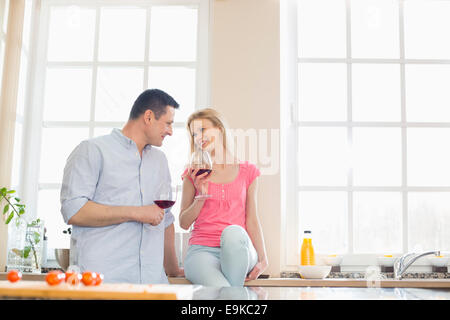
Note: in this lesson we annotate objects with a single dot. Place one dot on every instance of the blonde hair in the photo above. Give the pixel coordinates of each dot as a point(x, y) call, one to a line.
point(216, 119)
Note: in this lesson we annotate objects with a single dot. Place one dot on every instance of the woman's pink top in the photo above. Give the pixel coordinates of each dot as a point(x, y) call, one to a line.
point(224, 208)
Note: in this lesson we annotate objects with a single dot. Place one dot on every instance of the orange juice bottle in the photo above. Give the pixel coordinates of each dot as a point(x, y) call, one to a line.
point(307, 252)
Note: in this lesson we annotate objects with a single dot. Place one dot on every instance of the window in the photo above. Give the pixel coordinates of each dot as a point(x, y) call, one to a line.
point(370, 119)
point(4, 7)
point(93, 59)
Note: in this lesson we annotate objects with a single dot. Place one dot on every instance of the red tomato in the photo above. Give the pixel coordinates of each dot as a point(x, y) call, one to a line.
point(55, 277)
point(89, 278)
point(14, 275)
point(98, 278)
point(73, 277)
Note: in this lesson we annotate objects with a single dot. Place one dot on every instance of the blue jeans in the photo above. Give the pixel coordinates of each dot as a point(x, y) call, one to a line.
point(223, 266)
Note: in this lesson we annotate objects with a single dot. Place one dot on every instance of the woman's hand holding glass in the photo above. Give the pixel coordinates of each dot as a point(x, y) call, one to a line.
point(200, 183)
point(199, 169)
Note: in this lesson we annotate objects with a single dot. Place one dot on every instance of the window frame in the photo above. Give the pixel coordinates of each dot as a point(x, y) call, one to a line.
point(290, 125)
point(33, 118)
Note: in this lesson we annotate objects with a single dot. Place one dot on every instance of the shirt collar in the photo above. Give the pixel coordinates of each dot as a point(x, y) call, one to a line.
point(124, 140)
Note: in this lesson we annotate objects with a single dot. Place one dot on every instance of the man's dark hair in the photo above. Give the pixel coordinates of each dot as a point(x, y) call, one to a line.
point(153, 99)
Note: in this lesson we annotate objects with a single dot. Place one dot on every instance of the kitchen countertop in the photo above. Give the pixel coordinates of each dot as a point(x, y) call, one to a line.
point(355, 281)
point(347, 286)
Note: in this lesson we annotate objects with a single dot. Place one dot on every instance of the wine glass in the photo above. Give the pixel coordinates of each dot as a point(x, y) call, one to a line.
point(202, 161)
point(164, 198)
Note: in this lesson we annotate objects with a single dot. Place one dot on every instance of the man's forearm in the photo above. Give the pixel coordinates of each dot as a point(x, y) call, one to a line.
point(93, 214)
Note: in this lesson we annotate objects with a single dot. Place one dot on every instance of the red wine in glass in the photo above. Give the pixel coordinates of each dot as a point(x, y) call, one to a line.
point(164, 198)
point(202, 171)
point(164, 204)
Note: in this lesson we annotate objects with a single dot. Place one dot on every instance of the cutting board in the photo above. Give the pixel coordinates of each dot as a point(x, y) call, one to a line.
point(121, 291)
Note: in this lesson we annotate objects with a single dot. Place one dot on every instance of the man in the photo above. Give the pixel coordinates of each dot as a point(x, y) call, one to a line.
point(107, 194)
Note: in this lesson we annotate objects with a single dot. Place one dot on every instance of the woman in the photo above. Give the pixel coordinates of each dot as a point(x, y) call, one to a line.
point(226, 247)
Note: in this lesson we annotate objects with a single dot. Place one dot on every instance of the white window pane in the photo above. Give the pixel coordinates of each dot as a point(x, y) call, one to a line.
point(427, 93)
point(376, 92)
point(322, 91)
point(5, 16)
point(428, 157)
point(427, 29)
point(321, 28)
point(71, 34)
point(377, 222)
point(325, 214)
point(173, 33)
point(27, 24)
point(375, 29)
point(429, 221)
point(21, 93)
point(117, 89)
point(179, 82)
point(17, 155)
point(376, 157)
point(67, 94)
point(323, 156)
point(57, 144)
point(177, 148)
point(122, 34)
point(49, 210)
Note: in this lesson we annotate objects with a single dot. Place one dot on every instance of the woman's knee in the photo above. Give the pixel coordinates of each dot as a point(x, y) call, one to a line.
point(207, 273)
point(234, 235)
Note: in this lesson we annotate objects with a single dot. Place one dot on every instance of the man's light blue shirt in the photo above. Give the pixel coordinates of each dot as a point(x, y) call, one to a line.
point(109, 170)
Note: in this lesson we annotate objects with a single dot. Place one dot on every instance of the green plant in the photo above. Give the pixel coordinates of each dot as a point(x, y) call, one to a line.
point(10, 208)
point(13, 207)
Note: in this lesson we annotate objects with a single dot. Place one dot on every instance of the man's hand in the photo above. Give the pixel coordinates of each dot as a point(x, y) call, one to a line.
point(151, 214)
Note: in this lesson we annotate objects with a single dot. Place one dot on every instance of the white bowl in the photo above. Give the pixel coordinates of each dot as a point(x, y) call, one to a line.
point(439, 261)
point(386, 261)
point(333, 260)
point(314, 272)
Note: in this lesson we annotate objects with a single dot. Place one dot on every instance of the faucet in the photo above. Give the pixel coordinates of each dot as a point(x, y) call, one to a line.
point(400, 265)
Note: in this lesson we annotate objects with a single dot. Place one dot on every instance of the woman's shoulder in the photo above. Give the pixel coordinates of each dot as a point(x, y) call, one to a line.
point(249, 168)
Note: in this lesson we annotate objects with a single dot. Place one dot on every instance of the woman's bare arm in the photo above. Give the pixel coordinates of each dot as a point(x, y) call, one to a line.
point(255, 231)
